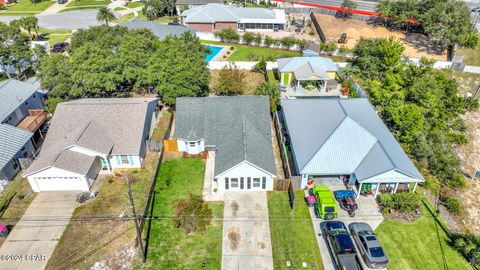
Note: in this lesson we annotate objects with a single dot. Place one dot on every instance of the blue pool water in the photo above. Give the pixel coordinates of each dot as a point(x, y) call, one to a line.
point(214, 50)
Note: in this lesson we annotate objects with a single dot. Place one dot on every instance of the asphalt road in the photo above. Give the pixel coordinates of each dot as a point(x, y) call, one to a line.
point(69, 20)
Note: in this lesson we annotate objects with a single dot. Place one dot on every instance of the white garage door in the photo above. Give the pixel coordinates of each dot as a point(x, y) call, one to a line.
point(60, 183)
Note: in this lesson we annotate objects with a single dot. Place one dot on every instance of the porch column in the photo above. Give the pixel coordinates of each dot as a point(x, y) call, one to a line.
point(298, 83)
point(415, 187)
point(376, 190)
point(359, 189)
point(395, 189)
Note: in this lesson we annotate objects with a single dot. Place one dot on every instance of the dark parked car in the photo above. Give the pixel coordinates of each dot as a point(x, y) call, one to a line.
point(60, 47)
point(62, 1)
point(341, 245)
point(173, 23)
point(368, 245)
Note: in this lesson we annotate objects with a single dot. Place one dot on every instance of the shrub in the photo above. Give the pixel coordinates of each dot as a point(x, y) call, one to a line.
point(311, 32)
point(328, 46)
point(269, 41)
point(344, 49)
point(2, 7)
point(287, 42)
point(230, 82)
point(405, 202)
point(257, 39)
point(248, 38)
point(453, 205)
point(260, 67)
point(192, 214)
point(227, 34)
point(469, 246)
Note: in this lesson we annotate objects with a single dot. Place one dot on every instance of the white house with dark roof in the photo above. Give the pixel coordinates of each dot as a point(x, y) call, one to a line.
point(91, 136)
point(237, 129)
point(346, 138)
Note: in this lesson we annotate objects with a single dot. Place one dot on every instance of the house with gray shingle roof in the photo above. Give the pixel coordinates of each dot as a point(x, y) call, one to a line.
point(211, 18)
point(346, 138)
point(158, 29)
point(182, 5)
point(91, 136)
point(236, 130)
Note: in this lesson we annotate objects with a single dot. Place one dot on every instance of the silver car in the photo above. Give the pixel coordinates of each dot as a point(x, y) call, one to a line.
point(368, 245)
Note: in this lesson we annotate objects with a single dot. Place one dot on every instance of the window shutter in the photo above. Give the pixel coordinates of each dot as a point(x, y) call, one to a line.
point(226, 183)
point(264, 182)
point(249, 182)
point(130, 160)
point(241, 182)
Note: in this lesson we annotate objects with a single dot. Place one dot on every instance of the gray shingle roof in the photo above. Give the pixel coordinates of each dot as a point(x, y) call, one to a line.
point(312, 46)
point(307, 70)
point(292, 63)
point(101, 125)
point(12, 94)
point(159, 30)
point(12, 139)
point(310, 123)
point(239, 127)
point(211, 13)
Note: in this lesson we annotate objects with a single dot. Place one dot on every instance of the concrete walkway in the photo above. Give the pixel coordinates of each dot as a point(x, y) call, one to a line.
point(31, 243)
point(246, 232)
point(55, 8)
point(208, 185)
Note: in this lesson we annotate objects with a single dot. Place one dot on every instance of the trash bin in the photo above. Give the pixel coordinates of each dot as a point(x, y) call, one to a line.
point(310, 201)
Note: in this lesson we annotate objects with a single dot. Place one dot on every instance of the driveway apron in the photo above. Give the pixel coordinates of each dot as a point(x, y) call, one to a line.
point(31, 242)
point(246, 232)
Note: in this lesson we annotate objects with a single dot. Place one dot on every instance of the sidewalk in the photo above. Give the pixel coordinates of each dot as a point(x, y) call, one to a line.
point(55, 8)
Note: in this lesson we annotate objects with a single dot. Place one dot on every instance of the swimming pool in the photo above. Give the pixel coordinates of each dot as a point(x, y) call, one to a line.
point(214, 50)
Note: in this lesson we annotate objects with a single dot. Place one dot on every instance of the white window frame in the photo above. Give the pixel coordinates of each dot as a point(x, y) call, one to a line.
point(122, 161)
point(234, 179)
point(192, 144)
point(259, 182)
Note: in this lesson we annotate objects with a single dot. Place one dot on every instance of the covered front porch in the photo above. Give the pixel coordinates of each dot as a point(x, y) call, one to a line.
point(375, 189)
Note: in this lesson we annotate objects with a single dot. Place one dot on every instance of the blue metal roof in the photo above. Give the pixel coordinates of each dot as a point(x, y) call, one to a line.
point(12, 139)
point(294, 63)
point(12, 94)
point(343, 136)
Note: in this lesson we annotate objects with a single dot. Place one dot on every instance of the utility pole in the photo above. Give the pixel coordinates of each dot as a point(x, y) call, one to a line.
point(135, 219)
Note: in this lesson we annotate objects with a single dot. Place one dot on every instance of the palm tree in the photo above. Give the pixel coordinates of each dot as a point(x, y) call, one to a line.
point(105, 15)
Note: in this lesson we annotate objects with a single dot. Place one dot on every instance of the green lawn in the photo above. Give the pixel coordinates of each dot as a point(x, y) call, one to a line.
point(68, 9)
point(471, 56)
point(416, 245)
point(134, 4)
point(253, 53)
point(272, 78)
point(26, 7)
point(125, 18)
point(292, 234)
point(169, 247)
point(78, 3)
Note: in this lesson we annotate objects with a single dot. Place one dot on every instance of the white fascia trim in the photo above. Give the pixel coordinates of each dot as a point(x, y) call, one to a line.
point(249, 163)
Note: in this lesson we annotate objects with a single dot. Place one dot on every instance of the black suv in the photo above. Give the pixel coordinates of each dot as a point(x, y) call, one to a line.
point(341, 245)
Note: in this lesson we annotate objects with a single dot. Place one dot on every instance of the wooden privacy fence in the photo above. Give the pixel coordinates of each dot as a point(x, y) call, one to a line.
point(280, 139)
point(170, 146)
point(281, 184)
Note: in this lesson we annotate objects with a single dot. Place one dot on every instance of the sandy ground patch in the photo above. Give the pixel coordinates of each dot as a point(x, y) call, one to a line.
point(469, 153)
point(416, 45)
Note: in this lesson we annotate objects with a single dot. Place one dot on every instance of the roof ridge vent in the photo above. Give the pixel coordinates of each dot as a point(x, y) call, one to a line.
point(83, 131)
point(244, 129)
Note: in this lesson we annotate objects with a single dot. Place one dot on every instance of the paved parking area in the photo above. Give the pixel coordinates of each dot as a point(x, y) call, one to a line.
point(367, 212)
point(246, 232)
point(32, 241)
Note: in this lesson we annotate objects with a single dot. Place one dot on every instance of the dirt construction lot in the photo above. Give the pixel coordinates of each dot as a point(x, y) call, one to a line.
point(416, 45)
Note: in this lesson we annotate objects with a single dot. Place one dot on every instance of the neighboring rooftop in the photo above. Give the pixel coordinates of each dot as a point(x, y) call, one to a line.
point(343, 136)
point(239, 126)
point(12, 94)
point(105, 125)
point(12, 139)
point(212, 13)
point(312, 46)
point(159, 30)
point(293, 63)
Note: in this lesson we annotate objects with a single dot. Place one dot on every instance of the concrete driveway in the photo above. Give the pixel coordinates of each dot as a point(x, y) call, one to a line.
point(32, 241)
point(246, 232)
point(367, 212)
